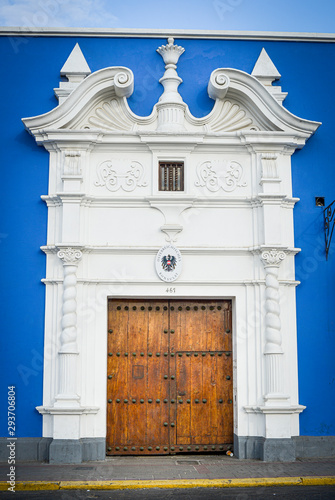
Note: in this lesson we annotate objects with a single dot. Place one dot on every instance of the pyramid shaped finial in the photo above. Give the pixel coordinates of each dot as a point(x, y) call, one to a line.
point(75, 67)
point(266, 72)
point(75, 70)
point(265, 69)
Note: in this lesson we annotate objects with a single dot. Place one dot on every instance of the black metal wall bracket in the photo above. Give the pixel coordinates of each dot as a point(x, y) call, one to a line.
point(329, 223)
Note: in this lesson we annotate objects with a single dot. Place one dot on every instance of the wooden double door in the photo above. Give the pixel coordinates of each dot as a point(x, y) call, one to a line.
point(169, 377)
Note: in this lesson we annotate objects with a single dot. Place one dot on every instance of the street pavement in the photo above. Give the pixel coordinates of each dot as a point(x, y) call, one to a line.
point(162, 474)
point(170, 467)
point(267, 493)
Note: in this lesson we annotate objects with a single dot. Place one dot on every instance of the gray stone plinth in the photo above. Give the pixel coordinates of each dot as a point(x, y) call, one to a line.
point(268, 450)
point(75, 451)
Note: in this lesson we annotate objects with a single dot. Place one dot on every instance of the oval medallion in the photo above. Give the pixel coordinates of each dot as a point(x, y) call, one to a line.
point(168, 263)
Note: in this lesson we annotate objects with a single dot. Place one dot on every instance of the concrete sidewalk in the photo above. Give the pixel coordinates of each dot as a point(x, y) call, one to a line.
point(170, 471)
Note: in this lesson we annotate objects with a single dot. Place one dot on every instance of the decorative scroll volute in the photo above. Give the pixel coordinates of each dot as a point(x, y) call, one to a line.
point(216, 175)
point(273, 257)
point(114, 176)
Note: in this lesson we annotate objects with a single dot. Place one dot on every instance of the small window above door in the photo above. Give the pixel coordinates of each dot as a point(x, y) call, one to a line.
point(171, 176)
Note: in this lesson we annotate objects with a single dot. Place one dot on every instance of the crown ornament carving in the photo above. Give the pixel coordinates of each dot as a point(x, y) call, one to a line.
point(170, 52)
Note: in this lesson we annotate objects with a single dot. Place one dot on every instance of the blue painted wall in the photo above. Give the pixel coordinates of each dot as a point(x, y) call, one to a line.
point(30, 70)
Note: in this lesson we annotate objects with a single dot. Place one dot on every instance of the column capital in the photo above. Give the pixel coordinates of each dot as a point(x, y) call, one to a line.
point(273, 257)
point(70, 256)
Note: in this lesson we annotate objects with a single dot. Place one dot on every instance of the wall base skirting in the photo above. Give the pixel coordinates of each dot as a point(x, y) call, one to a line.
point(278, 450)
point(315, 446)
point(26, 449)
point(248, 446)
point(245, 447)
point(283, 450)
point(55, 450)
point(267, 450)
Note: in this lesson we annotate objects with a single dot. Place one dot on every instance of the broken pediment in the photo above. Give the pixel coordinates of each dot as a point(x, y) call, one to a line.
point(98, 102)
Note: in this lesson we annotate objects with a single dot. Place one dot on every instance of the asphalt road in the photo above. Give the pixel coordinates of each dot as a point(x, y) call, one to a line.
point(283, 492)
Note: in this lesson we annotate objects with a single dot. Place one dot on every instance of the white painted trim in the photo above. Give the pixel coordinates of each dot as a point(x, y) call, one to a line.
point(51, 410)
point(275, 409)
point(99, 281)
point(148, 250)
point(163, 33)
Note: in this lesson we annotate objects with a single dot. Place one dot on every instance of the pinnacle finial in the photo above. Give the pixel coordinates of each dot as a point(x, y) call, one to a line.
point(265, 69)
point(75, 67)
point(266, 72)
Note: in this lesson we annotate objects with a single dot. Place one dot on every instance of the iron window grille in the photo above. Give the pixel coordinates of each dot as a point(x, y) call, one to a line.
point(171, 176)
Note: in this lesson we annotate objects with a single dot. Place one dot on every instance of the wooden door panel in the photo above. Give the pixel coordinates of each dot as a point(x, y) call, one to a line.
point(200, 395)
point(137, 387)
point(169, 385)
point(202, 346)
point(183, 394)
point(202, 325)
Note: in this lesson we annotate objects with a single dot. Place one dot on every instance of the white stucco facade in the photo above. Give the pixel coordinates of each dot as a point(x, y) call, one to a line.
point(233, 225)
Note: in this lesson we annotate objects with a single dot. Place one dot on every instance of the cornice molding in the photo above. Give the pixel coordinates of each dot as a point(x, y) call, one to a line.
point(146, 282)
point(57, 410)
point(275, 410)
point(241, 140)
point(56, 200)
point(152, 250)
point(159, 33)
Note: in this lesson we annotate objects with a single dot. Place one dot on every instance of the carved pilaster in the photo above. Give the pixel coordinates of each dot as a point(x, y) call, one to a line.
point(273, 339)
point(72, 170)
point(269, 166)
point(72, 163)
point(68, 350)
point(270, 179)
